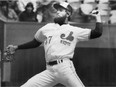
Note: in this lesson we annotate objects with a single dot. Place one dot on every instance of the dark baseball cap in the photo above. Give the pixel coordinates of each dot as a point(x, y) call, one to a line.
point(64, 5)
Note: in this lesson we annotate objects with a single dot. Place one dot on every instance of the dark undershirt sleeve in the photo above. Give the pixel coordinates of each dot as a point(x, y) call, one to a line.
point(97, 32)
point(32, 44)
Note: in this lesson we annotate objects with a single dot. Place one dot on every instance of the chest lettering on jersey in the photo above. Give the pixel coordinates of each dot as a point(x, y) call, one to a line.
point(67, 40)
point(69, 37)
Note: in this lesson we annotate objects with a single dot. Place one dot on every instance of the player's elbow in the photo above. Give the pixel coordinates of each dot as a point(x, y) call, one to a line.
point(99, 34)
point(95, 34)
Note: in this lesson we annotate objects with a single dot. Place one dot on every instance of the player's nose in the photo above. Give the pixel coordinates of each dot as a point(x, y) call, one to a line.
point(58, 12)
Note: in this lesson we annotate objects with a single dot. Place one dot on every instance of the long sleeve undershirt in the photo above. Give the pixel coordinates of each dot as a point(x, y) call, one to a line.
point(97, 32)
point(32, 44)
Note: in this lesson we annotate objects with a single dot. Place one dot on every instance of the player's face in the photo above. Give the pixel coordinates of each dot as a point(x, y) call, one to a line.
point(61, 12)
point(60, 16)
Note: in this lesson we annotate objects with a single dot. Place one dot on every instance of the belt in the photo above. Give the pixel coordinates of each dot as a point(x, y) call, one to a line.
point(51, 63)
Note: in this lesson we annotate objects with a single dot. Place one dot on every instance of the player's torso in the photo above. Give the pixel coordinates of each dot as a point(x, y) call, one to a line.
point(60, 41)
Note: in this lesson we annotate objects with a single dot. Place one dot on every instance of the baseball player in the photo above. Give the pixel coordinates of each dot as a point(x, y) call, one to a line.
point(60, 39)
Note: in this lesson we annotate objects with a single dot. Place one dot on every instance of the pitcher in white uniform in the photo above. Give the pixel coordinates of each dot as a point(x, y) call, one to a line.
point(60, 39)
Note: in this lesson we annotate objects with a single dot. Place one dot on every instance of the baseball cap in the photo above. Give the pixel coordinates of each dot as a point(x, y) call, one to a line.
point(64, 5)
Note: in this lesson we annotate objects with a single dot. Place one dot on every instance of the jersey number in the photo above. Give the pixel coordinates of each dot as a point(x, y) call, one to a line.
point(48, 40)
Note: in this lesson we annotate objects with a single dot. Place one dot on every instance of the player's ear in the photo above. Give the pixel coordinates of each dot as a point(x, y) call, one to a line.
point(68, 15)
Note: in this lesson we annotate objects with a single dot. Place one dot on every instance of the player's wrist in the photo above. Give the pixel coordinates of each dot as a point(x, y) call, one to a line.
point(98, 18)
point(16, 47)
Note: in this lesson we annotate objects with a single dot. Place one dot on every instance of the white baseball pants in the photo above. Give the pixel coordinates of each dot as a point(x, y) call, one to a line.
point(63, 73)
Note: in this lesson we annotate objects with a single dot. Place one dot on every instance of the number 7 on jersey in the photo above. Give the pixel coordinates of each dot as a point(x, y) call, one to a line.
point(48, 40)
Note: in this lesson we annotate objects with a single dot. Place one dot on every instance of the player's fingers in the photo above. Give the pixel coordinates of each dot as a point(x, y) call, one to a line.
point(10, 49)
point(9, 46)
point(95, 13)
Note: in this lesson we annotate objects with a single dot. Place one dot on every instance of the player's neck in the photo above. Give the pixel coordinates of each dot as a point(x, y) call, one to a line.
point(66, 21)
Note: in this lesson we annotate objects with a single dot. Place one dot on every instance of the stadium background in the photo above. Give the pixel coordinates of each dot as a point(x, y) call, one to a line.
point(95, 60)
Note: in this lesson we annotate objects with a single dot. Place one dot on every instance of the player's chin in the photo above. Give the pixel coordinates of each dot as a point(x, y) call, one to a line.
point(57, 16)
point(60, 19)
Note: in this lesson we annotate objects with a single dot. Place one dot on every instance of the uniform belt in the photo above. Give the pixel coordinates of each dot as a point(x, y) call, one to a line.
point(51, 63)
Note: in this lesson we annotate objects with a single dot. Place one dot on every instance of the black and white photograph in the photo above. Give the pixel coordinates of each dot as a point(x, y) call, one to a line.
point(58, 43)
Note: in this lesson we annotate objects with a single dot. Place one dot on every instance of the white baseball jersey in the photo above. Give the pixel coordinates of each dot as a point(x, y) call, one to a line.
point(60, 41)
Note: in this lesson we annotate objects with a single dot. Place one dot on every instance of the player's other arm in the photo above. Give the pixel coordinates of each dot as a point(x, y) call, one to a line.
point(37, 41)
point(28, 45)
point(31, 44)
point(97, 32)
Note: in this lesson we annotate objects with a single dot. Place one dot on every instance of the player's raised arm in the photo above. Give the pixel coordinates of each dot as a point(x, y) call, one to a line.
point(97, 32)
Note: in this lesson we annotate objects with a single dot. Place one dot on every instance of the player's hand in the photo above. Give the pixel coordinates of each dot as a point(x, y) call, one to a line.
point(9, 53)
point(95, 13)
point(11, 49)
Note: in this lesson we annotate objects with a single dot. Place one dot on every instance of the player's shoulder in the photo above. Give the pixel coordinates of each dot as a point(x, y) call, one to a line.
point(48, 25)
point(70, 26)
point(77, 29)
